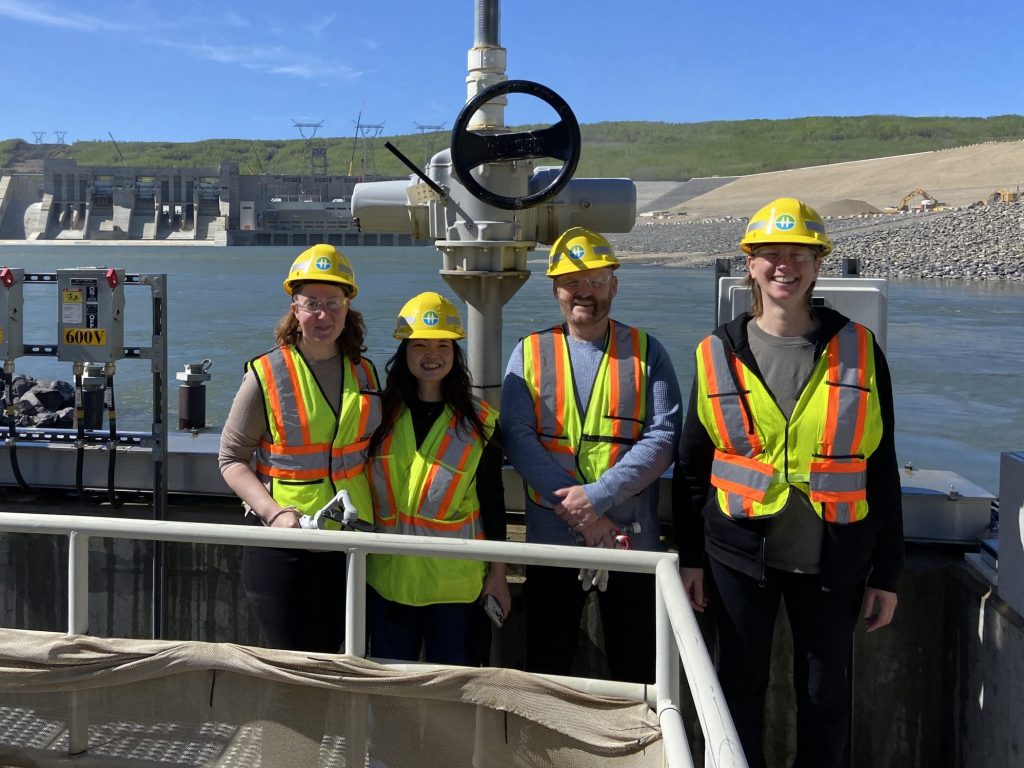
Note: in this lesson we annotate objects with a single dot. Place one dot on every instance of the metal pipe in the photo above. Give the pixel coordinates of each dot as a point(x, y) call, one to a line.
point(722, 743)
point(488, 22)
point(78, 624)
point(355, 604)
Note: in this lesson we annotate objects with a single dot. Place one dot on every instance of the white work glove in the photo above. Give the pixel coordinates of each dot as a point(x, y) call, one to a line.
point(595, 577)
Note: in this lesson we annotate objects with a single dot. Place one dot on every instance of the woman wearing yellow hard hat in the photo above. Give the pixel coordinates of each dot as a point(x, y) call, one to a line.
point(305, 410)
point(435, 470)
point(787, 488)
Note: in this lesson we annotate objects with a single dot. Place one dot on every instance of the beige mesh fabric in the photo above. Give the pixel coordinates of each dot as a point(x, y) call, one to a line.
point(159, 703)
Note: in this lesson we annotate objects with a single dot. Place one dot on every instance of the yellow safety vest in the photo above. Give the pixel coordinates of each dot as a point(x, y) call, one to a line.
point(613, 422)
point(430, 491)
point(314, 452)
point(822, 450)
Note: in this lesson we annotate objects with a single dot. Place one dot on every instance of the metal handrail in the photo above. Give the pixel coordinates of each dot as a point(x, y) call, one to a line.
point(677, 637)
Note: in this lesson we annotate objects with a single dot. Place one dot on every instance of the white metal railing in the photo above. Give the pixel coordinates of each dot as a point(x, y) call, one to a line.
point(678, 638)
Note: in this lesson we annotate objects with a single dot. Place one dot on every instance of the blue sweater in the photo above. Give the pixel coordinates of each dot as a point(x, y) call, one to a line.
point(629, 490)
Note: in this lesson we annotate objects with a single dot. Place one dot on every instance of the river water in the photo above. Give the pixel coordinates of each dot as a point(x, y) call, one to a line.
point(954, 347)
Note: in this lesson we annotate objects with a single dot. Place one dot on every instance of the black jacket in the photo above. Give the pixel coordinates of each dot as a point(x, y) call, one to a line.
point(871, 549)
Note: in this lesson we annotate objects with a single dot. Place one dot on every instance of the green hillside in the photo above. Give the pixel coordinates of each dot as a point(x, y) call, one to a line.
point(639, 150)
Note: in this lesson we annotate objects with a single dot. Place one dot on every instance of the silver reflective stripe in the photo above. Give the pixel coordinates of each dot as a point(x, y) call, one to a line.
point(814, 226)
point(289, 411)
point(728, 399)
point(744, 476)
point(844, 511)
point(756, 226)
point(838, 482)
point(548, 388)
point(849, 391)
point(450, 463)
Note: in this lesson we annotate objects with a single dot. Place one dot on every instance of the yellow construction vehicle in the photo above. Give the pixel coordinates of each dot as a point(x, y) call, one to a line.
point(928, 202)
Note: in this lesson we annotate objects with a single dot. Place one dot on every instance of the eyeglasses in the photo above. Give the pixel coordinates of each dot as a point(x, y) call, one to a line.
point(584, 282)
point(798, 255)
point(321, 305)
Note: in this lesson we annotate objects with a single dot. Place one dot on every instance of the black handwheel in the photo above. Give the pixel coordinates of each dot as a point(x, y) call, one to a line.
point(471, 149)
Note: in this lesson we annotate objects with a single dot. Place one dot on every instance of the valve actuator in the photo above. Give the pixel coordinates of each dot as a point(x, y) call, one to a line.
point(90, 314)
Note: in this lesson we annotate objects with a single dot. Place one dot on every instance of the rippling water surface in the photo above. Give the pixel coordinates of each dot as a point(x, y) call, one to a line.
point(954, 348)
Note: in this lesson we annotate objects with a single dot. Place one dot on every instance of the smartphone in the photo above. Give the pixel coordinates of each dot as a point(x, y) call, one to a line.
point(493, 611)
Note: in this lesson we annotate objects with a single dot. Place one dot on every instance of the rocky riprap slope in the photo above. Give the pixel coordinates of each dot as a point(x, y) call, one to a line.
point(42, 403)
point(982, 242)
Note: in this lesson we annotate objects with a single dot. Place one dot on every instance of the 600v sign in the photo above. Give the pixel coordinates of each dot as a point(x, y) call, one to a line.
point(86, 337)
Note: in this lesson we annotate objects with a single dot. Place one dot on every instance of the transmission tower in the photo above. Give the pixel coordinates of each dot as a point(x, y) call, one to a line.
point(60, 136)
point(317, 149)
point(369, 132)
point(424, 129)
point(39, 136)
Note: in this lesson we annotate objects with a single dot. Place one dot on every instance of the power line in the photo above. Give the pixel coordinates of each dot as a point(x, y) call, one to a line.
point(317, 149)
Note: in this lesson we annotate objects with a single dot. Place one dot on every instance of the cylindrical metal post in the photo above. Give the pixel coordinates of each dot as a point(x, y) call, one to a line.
point(483, 336)
point(355, 601)
point(191, 406)
point(78, 624)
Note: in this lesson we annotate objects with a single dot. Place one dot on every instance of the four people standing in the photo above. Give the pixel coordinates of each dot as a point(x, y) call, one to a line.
point(788, 478)
point(786, 487)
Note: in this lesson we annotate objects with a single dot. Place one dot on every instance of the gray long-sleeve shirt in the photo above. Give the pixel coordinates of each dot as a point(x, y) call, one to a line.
point(628, 491)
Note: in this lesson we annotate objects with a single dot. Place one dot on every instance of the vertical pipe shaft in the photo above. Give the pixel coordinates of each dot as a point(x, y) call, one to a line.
point(488, 21)
point(355, 605)
point(78, 624)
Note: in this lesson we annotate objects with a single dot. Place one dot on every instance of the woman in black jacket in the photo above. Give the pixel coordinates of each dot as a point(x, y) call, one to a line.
point(787, 487)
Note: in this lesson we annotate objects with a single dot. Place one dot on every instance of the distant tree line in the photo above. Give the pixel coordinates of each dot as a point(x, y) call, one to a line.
point(639, 150)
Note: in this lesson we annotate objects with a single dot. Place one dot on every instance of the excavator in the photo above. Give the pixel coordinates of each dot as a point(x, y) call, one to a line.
point(928, 202)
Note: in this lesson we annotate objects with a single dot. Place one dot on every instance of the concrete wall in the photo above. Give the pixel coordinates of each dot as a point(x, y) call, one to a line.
point(22, 190)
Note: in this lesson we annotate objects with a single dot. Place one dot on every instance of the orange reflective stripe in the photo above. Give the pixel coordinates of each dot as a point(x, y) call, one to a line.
point(711, 374)
point(294, 450)
point(752, 437)
point(534, 342)
point(560, 381)
point(291, 474)
point(448, 526)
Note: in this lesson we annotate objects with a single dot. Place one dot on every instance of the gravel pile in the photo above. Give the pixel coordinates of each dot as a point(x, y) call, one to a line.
point(982, 242)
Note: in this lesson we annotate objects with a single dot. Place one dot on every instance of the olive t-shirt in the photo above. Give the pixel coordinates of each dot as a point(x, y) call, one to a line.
point(793, 537)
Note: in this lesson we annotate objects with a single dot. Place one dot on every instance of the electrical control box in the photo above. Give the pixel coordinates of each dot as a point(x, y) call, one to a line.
point(90, 314)
point(12, 308)
point(862, 299)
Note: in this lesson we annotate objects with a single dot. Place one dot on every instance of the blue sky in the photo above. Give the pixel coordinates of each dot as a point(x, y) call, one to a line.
point(149, 70)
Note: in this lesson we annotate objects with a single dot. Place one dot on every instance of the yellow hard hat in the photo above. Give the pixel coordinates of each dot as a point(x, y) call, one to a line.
point(786, 220)
point(429, 316)
point(323, 264)
point(579, 249)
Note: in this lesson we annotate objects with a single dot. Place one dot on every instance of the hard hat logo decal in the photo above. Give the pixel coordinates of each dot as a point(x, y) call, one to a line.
point(577, 252)
point(431, 318)
point(323, 263)
point(785, 222)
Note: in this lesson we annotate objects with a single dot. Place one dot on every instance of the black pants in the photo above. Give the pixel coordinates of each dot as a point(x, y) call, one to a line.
point(298, 597)
point(822, 623)
point(554, 606)
point(444, 633)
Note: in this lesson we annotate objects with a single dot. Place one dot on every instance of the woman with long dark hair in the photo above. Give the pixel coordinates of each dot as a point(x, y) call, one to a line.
point(435, 470)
